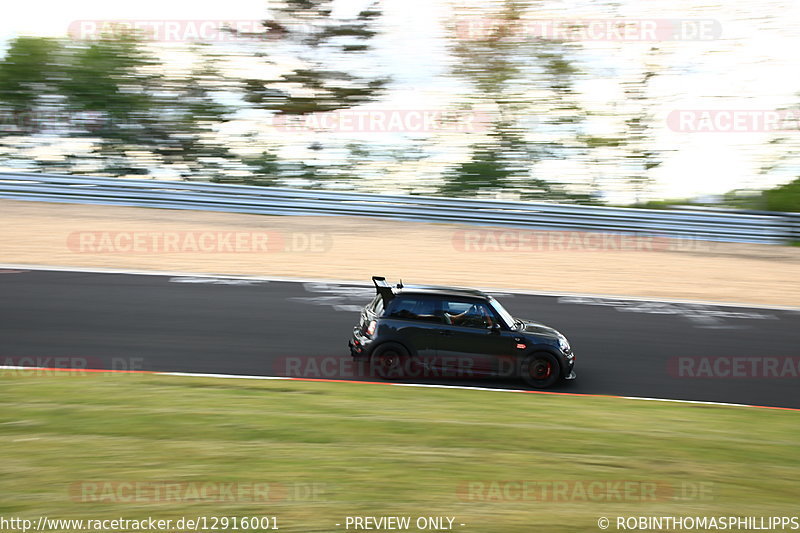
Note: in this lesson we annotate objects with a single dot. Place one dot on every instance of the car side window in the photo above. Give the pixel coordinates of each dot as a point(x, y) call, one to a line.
point(469, 314)
point(414, 308)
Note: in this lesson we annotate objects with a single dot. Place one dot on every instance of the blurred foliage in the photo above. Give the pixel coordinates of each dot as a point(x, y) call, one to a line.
point(107, 76)
point(320, 39)
point(501, 67)
point(128, 109)
point(641, 156)
point(531, 81)
point(112, 92)
point(30, 67)
point(783, 198)
point(306, 33)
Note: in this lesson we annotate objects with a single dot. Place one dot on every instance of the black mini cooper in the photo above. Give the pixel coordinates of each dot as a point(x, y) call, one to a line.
point(442, 332)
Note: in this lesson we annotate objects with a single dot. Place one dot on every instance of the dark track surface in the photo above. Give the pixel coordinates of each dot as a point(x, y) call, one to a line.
point(184, 324)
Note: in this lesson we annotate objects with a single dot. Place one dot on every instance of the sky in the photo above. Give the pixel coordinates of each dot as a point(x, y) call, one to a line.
point(752, 65)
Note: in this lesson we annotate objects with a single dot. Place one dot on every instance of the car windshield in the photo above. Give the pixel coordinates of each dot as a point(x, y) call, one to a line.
point(500, 310)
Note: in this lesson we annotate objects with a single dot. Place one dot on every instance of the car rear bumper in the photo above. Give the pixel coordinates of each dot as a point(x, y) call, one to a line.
point(359, 345)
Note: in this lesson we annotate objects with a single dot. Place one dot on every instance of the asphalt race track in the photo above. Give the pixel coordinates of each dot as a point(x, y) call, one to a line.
point(208, 325)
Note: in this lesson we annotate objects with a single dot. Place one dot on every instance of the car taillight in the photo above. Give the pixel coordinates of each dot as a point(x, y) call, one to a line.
point(371, 328)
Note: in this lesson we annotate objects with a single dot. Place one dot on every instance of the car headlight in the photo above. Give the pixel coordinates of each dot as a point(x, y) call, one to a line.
point(563, 344)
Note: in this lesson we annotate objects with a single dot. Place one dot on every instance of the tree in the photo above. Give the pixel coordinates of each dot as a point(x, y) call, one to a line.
point(784, 146)
point(113, 93)
point(506, 68)
point(324, 50)
point(28, 70)
point(29, 103)
point(171, 117)
point(641, 155)
point(783, 198)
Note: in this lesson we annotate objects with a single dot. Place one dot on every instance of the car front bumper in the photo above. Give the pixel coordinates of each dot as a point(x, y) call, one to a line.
point(570, 368)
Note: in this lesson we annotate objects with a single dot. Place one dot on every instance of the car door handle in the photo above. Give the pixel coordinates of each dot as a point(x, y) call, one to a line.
point(445, 332)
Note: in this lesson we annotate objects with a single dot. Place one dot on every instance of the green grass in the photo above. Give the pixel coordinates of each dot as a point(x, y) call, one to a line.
point(380, 450)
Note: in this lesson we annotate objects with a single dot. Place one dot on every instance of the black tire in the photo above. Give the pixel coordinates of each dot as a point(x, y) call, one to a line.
point(540, 370)
point(390, 361)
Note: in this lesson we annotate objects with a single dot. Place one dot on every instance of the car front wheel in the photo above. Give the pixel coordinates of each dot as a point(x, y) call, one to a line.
point(540, 370)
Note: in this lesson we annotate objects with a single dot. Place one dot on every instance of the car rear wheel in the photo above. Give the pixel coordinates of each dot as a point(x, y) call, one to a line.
point(390, 361)
point(540, 370)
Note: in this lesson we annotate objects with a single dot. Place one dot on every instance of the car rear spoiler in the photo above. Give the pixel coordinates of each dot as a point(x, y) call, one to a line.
point(383, 288)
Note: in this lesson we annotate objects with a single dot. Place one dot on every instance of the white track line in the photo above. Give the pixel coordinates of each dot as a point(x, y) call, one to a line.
point(91, 270)
point(415, 385)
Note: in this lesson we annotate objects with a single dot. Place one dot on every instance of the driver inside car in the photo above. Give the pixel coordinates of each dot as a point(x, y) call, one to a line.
point(476, 314)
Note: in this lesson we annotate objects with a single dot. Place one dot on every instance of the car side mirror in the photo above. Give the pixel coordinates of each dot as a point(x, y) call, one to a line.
point(494, 328)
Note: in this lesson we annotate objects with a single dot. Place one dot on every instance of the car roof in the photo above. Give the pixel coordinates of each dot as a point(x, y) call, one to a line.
point(433, 290)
